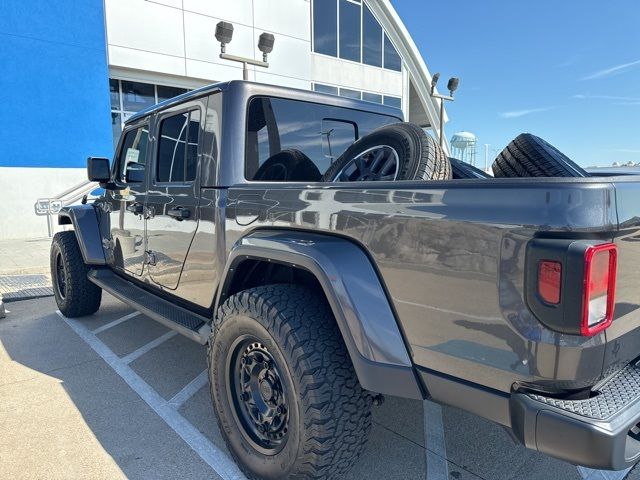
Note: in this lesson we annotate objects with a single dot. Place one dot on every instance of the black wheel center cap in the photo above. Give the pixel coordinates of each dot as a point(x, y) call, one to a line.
point(266, 390)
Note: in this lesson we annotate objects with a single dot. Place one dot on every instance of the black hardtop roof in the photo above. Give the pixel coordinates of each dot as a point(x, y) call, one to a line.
point(252, 88)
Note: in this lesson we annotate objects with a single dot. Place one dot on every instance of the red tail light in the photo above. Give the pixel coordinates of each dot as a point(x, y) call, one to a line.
point(600, 264)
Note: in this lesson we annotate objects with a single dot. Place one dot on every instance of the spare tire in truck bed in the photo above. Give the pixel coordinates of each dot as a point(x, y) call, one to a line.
point(400, 151)
point(530, 156)
point(460, 169)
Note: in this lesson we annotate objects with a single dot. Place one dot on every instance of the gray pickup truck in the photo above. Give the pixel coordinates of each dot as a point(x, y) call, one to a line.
point(516, 299)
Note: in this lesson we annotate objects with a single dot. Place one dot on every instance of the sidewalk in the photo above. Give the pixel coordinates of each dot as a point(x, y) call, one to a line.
point(24, 269)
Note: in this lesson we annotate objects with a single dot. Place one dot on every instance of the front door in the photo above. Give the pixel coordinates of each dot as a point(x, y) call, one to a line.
point(173, 194)
point(126, 245)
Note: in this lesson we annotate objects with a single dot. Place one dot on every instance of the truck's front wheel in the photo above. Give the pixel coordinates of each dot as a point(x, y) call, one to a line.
point(75, 295)
point(285, 393)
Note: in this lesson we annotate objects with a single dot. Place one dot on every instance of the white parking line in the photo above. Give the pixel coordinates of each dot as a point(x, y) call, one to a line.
point(219, 462)
point(115, 322)
point(190, 390)
point(590, 474)
point(435, 447)
point(149, 346)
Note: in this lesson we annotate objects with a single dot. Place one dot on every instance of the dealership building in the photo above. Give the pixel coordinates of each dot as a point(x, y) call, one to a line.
point(75, 70)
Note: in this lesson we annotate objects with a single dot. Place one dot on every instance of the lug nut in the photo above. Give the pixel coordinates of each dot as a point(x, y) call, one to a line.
point(266, 365)
point(280, 410)
point(246, 361)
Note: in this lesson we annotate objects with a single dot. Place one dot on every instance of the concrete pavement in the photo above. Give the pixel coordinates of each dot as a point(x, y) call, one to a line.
point(117, 395)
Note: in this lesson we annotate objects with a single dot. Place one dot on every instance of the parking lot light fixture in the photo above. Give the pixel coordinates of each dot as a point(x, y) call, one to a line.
point(452, 86)
point(224, 34)
point(265, 44)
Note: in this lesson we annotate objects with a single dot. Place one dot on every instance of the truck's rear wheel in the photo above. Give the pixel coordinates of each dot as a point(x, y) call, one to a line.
point(75, 295)
point(285, 393)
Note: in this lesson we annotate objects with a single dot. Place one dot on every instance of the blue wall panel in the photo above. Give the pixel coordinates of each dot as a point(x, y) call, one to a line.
point(54, 85)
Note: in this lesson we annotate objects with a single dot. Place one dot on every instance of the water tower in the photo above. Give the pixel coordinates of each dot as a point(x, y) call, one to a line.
point(463, 147)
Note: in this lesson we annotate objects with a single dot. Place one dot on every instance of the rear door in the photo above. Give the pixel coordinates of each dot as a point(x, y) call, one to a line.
point(126, 204)
point(174, 192)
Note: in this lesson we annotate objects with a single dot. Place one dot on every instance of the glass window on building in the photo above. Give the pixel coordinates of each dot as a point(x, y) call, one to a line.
point(372, 97)
point(114, 93)
point(390, 100)
point(350, 36)
point(325, 27)
point(319, 87)
point(393, 101)
point(165, 93)
point(347, 92)
point(392, 60)
point(371, 39)
point(128, 98)
point(137, 96)
point(348, 29)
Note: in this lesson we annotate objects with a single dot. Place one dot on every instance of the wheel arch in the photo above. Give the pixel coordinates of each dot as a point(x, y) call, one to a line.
point(84, 220)
point(351, 286)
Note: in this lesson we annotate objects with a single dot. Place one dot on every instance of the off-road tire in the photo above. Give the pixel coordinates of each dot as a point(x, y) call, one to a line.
point(420, 157)
point(460, 170)
point(330, 418)
point(80, 297)
point(531, 156)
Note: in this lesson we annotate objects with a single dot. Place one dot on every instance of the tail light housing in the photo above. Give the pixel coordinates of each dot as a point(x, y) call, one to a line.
point(600, 268)
point(570, 285)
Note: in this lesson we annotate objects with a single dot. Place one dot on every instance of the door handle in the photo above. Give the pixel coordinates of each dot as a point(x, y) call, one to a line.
point(179, 213)
point(136, 208)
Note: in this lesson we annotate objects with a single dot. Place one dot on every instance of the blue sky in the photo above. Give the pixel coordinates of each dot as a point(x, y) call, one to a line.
point(565, 70)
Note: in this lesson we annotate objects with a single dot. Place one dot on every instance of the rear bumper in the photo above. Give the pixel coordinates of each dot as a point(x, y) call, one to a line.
point(600, 432)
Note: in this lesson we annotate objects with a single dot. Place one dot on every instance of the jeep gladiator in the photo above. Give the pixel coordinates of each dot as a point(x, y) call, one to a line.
point(515, 299)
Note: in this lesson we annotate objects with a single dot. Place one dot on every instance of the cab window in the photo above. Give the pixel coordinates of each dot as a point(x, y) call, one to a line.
point(292, 140)
point(177, 160)
point(133, 152)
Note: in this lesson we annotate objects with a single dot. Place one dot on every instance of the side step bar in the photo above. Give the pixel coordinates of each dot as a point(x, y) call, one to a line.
point(172, 316)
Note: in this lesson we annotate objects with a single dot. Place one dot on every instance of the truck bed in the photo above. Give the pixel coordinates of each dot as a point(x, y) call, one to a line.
point(451, 255)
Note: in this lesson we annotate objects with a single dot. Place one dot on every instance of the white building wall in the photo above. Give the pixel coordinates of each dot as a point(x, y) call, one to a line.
point(334, 71)
point(168, 39)
point(21, 187)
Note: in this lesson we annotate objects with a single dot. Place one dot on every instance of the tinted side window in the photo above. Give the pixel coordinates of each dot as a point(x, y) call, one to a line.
point(312, 133)
point(178, 147)
point(134, 151)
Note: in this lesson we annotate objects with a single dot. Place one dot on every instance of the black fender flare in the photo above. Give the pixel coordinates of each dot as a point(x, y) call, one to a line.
point(355, 293)
point(85, 223)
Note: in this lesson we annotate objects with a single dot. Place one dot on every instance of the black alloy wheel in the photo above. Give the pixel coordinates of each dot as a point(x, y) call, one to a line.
point(376, 163)
point(259, 395)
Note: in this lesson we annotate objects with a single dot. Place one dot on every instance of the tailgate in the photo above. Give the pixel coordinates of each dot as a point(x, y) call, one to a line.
point(623, 337)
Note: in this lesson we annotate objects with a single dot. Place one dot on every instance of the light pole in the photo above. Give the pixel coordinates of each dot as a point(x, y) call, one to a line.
point(486, 157)
point(224, 34)
point(452, 86)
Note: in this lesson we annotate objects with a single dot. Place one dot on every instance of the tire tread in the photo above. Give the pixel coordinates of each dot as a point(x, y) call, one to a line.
point(337, 417)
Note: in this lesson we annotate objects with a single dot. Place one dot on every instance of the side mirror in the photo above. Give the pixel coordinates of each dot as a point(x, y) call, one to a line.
point(134, 173)
point(98, 169)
